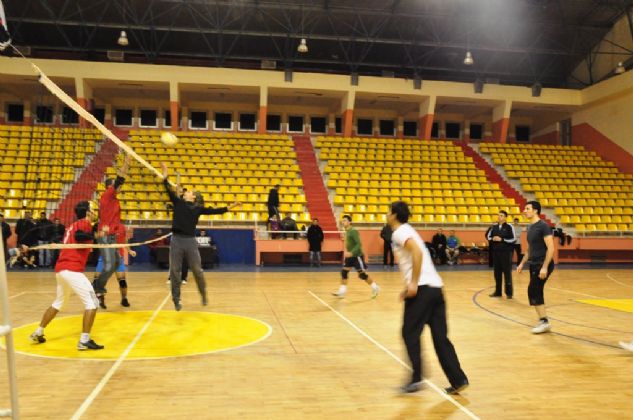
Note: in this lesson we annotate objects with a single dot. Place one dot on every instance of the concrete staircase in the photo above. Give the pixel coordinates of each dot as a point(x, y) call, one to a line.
point(86, 184)
point(316, 194)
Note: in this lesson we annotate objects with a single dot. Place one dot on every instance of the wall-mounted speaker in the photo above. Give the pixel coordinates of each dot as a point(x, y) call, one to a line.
point(479, 86)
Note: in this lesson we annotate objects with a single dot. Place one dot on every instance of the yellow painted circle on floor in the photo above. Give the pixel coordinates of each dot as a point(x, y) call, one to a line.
point(170, 334)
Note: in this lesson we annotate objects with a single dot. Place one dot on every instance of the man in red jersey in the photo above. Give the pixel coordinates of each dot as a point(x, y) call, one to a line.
point(70, 278)
point(110, 220)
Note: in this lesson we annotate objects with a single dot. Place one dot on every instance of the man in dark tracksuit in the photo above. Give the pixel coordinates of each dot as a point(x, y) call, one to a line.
point(387, 251)
point(502, 237)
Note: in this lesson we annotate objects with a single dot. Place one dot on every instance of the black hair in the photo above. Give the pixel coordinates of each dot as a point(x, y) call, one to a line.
point(535, 205)
point(516, 219)
point(108, 182)
point(81, 209)
point(401, 210)
point(505, 213)
point(348, 217)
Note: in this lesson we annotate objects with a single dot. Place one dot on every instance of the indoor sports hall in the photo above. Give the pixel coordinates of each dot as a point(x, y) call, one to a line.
point(240, 168)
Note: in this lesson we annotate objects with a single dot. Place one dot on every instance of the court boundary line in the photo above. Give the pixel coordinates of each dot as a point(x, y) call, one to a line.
point(610, 277)
point(507, 318)
point(396, 358)
point(106, 378)
point(42, 356)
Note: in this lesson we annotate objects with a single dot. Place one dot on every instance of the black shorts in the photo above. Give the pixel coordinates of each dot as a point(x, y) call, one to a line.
point(356, 262)
point(537, 285)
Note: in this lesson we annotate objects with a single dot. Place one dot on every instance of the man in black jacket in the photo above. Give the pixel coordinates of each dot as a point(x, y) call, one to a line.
point(6, 233)
point(57, 236)
point(24, 229)
point(273, 202)
point(315, 239)
point(387, 251)
point(183, 242)
point(44, 231)
point(439, 246)
point(502, 237)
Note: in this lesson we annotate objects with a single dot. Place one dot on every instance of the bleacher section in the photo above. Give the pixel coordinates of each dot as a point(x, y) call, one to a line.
point(586, 192)
point(37, 163)
point(441, 184)
point(225, 167)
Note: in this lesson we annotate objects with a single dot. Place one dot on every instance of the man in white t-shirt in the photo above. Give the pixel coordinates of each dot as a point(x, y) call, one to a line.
point(423, 302)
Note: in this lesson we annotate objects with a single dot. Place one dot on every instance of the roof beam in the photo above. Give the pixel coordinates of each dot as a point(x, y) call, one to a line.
point(315, 36)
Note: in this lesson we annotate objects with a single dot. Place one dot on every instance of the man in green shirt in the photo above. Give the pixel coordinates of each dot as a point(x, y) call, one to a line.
point(354, 259)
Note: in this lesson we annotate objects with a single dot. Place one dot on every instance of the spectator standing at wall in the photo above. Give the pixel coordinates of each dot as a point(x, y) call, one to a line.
point(315, 239)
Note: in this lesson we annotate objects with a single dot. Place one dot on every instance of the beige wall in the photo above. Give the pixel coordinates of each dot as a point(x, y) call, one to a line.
point(603, 105)
point(275, 79)
point(613, 118)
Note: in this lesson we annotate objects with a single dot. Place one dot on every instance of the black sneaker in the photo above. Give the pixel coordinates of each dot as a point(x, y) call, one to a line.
point(177, 305)
point(456, 390)
point(89, 345)
point(124, 302)
point(411, 387)
point(205, 301)
point(37, 339)
point(102, 304)
point(494, 295)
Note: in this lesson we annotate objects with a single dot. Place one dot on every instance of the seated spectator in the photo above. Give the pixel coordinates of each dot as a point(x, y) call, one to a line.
point(452, 248)
point(203, 239)
point(438, 245)
point(563, 238)
point(21, 256)
point(289, 224)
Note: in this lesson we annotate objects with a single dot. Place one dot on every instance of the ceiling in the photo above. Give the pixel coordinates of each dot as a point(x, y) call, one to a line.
point(517, 42)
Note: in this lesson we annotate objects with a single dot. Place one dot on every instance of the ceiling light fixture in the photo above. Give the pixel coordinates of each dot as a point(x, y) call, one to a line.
point(468, 60)
point(303, 46)
point(123, 41)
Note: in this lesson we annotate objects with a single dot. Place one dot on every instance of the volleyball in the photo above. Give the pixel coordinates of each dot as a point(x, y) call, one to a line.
point(168, 139)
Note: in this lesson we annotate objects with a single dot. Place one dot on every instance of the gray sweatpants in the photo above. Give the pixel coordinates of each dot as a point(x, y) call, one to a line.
point(185, 247)
point(111, 260)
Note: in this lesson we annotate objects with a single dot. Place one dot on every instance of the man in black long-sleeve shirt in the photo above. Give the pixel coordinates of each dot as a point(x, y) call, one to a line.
point(183, 242)
point(502, 237)
point(273, 202)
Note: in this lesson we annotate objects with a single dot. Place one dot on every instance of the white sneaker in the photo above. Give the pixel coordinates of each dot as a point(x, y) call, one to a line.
point(627, 346)
point(374, 292)
point(339, 294)
point(168, 282)
point(541, 327)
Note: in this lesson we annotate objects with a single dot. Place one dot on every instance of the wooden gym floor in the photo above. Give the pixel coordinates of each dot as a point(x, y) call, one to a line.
point(330, 358)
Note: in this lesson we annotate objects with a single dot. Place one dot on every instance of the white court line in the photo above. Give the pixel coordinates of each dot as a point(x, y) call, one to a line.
point(396, 358)
point(577, 293)
point(95, 392)
point(18, 295)
point(609, 276)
